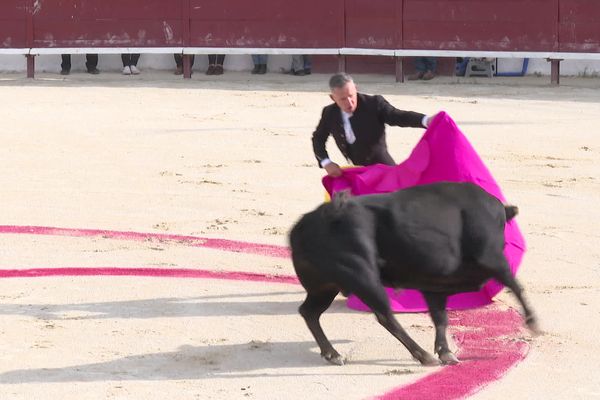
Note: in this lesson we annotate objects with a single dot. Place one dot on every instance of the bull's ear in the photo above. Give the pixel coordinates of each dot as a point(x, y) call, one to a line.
point(342, 195)
point(341, 198)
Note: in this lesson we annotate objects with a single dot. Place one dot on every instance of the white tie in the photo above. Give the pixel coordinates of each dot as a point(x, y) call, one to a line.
point(350, 137)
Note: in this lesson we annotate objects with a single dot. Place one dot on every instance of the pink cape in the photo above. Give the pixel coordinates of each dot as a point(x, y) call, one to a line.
point(442, 154)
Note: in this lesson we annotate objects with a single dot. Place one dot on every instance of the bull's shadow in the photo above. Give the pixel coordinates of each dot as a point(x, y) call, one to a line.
point(222, 361)
point(199, 306)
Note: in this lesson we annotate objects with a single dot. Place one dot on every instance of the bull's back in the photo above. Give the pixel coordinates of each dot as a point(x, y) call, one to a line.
point(437, 230)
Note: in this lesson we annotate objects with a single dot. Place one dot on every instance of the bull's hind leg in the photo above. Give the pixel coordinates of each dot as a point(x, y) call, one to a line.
point(501, 272)
point(437, 310)
point(315, 304)
point(373, 294)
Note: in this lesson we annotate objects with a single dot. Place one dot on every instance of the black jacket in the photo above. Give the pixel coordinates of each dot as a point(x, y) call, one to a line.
point(368, 123)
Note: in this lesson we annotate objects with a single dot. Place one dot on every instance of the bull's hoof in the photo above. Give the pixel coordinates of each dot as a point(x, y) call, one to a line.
point(334, 358)
point(448, 358)
point(533, 327)
point(429, 361)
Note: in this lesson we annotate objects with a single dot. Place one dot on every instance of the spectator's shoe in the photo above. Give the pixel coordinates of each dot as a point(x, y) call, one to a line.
point(65, 71)
point(427, 76)
point(257, 68)
point(93, 71)
point(179, 71)
point(218, 70)
point(210, 70)
point(134, 70)
point(307, 71)
point(126, 70)
point(416, 76)
point(300, 72)
point(263, 69)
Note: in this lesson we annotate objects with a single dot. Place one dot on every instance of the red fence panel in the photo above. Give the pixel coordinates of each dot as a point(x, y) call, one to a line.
point(492, 25)
point(579, 25)
point(267, 23)
point(13, 24)
point(373, 24)
point(509, 25)
point(107, 23)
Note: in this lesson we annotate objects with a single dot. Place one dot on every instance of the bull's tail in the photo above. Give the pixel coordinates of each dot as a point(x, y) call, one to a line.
point(511, 212)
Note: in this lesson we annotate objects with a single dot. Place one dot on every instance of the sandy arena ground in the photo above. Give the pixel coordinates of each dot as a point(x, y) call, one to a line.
point(230, 158)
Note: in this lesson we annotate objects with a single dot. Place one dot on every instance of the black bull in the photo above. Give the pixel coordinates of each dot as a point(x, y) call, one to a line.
point(440, 239)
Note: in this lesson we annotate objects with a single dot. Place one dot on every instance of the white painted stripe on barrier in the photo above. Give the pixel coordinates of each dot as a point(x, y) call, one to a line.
point(258, 50)
point(351, 51)
point(14, 51)
point(345, 51)
point(496, 54)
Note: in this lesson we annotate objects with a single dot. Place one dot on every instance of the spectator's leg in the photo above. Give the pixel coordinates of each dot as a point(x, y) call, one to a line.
point(65, 66)
point(420, 67)
point(178, 64)
point(307, 65)
point(430, 65)
point(263, 64)
point(256, 61)
point(91, 63)
point(134, 58)
point(297, 63)
point(219, 60)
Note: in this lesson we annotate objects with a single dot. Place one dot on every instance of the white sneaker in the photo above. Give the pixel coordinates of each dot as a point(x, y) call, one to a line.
point(126, 70)
point(134, 70)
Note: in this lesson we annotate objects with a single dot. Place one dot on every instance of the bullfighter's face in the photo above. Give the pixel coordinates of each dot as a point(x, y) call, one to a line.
point(345, 97)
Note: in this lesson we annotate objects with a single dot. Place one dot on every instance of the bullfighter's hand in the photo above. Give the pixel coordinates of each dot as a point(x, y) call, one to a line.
point(333, 170)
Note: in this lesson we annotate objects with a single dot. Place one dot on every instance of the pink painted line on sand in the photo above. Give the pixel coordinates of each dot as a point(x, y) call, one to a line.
point(488, 349)
point(193, 241)
point(149, 272)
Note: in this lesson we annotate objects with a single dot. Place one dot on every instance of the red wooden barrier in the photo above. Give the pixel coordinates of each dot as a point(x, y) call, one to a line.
point(508, 25)
point(579, 26)
point(13, 24)
point(267, 23)
point(107, 23)
point(495, 25)
point(373, 24)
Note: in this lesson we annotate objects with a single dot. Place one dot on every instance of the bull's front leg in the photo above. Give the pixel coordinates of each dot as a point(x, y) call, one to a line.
point(439, 316)
point(311, 310)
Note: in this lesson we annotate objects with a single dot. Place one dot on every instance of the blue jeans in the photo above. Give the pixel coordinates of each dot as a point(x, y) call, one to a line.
point(301, 62)
point(424, 64)
point(259, 59)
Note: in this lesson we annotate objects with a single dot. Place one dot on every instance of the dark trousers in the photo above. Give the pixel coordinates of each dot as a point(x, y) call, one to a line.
point(216, 59)
point(130, 59)
point(379, 156)
point(179, 60)
point(91, 61)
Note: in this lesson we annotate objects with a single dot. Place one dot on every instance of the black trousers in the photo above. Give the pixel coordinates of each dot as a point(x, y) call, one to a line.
point(216, 59)
point(378, 156)
point(179, 60)
point(91, 61)
point(130, 59)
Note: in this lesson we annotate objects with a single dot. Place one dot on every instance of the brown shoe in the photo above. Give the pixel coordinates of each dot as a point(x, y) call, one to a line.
point(210, 70)
point(218, 70)
point(179, 71)
point(416, 76)
point(428, 76)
